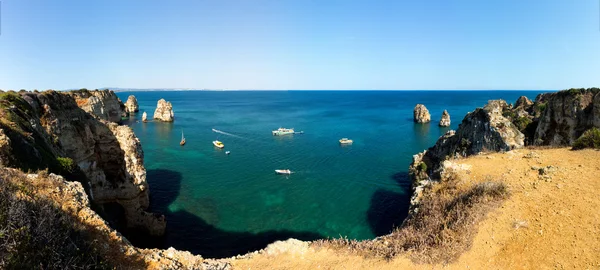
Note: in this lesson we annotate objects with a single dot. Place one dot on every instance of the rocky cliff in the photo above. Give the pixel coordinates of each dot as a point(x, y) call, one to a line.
point(484, 129)
point(164, 111)
point(131, 106)
point(74, 134)
point(421, 114)
point(566, 115)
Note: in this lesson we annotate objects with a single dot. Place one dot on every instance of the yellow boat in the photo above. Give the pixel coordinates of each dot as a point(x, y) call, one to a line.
point(218, 144)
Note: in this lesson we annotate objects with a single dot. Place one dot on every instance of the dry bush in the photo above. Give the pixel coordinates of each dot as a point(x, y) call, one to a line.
point(441, 229)
point(35, 234)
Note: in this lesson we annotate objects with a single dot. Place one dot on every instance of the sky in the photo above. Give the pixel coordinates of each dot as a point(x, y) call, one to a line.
point(300, 44)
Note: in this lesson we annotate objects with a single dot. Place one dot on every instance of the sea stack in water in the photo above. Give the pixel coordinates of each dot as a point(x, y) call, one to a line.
point(164, 111)
point(144, 117)
point(445, 121)
point(131, 106)
point(421, 114)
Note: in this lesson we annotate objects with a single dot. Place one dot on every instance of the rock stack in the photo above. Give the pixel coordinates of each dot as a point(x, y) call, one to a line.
point(164, 111)
point(144, 117)
point(445, 121)
point(131, 106)
point(421, 114)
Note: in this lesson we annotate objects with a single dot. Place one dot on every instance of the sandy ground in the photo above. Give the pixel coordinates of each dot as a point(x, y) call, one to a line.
point(550, 221)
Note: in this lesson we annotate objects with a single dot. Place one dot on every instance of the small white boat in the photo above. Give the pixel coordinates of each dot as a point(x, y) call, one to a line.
point(283, 131)
point(283, 171)
point(227, 152)
point(218, 144)
point(345, 141)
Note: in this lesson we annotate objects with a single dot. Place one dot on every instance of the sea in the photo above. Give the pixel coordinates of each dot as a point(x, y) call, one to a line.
point(220, 205)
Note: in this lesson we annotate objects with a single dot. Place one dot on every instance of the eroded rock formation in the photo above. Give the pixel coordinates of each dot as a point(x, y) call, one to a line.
point(101, 104)
point(131, 106)
point(108, 157)
point(485, 129)
point(164, 111)
point(421, 114)
point(566, 115)
point(144, 117)
point(445, 120)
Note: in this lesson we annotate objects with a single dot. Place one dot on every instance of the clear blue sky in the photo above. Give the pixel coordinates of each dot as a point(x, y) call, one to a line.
point(300, 44)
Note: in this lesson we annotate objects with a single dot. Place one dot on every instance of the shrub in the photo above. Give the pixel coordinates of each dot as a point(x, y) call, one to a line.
point(541, 107)
point(589, 139)
point(522, 122)
point(422, 167)
point(66, 164)
point(440, 230)
point(36, 234)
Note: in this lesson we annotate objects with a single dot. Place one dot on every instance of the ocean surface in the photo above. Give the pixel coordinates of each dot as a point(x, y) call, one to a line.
point(220, 205)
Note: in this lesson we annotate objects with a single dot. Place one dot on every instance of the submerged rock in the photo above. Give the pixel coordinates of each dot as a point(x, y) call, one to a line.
point(164, 111)
point(445, 121)
point(421, 114)
point(144, 117)
point(131, 106)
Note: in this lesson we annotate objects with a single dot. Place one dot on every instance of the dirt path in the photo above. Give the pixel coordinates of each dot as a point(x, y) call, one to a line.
point(551, 220)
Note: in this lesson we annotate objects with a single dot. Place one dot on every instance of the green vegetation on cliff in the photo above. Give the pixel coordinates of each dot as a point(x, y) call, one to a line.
point(589, 139)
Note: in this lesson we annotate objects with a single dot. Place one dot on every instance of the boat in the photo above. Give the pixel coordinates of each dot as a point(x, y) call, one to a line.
point(283, 131)
point(283, 171)
point(182, 139)
point(227, 152)
point(345, 141)
point(218, 144)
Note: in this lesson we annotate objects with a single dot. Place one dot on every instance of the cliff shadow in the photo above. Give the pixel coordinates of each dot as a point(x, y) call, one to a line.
point(388, 209)
point(186, 231)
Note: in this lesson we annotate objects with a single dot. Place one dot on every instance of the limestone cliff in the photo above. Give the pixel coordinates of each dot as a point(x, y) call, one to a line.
point(566, 115)
point(107, 245)
point(101, 104)
point(421, 114)
point(484, 129)
point(131, 106)
point(164, 111)
point(61, 131)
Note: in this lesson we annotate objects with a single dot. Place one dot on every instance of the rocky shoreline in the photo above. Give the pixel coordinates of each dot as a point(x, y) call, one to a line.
point(76, 134)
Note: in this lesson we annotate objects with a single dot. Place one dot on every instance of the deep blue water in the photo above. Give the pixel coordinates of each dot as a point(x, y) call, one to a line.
point(221, 205)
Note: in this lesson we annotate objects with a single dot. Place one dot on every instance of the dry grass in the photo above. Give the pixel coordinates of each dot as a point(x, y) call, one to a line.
point(441, 229)
point(37, 232)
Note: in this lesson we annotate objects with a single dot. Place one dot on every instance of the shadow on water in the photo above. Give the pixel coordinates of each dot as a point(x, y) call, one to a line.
point(185, 231)
point(388, 209)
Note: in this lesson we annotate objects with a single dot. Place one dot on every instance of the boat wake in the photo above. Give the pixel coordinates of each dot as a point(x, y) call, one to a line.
point(226, 133)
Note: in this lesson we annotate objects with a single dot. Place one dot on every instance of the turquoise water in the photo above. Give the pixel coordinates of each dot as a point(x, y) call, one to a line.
point(220, 205)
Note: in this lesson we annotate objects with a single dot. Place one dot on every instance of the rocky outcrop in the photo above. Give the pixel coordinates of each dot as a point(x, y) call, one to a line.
point(445, 120)
point(144, 117)
point(566, 115)
point(421, 114)
point(523, 102)
point(107, 157)
point(115, 250)
point(131, 106)
point(164, 111)
point(101, 104)
point(484, 129)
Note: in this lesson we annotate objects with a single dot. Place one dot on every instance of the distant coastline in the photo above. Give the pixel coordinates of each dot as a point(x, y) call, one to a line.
point(119, 89)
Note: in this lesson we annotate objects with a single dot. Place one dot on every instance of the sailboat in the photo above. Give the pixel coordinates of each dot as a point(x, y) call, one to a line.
point(182, 139)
